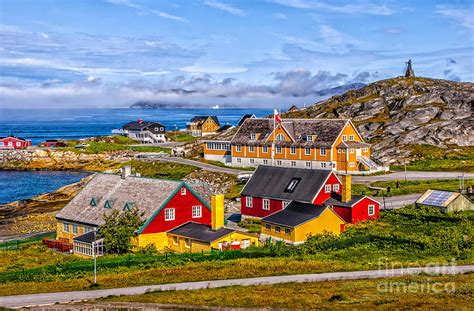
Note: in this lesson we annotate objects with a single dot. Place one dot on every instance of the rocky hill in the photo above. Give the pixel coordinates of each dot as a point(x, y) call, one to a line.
point(395, 113)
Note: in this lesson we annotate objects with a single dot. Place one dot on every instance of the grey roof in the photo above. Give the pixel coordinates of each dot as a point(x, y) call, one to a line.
point(336, 200)
point(295, 214)
point(201, 119)
point(271, 182)
point(12, 136)
point(146, 194)
point(134, 125)
point(324, 131)
point(200, 232)
point(352, 144)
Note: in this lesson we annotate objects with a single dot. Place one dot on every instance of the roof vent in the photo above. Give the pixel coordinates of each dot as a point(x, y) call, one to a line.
point(126, 171)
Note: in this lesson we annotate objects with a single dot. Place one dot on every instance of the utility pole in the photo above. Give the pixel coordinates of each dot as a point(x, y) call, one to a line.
point(462, 178)
point(406, 176)
point(95, 256)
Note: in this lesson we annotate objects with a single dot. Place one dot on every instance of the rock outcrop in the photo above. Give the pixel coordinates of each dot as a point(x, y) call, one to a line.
point(398, 112)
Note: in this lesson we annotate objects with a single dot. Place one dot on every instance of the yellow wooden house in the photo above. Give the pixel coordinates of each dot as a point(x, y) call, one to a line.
point(203, 125)
point(298, 221)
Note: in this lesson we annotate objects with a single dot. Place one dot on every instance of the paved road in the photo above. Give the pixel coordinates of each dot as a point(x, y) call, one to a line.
point(411, 175)
point(398, 201)
point(64, 297)
point(206, 166)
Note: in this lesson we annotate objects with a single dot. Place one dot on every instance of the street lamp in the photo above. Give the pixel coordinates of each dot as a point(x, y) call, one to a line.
point(462, 178)
point(95, 255)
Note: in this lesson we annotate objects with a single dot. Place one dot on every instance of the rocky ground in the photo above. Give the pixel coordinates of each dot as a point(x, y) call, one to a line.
point(399, 112)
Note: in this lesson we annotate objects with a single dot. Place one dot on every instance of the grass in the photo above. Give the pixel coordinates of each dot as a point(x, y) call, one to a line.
point(220, 164)
point(409, 236)
point(166, 170)
point(411, 186)
point(111, 143)
point(348, 294)
point(252, 225)
point(234, 191)
point(180, 137)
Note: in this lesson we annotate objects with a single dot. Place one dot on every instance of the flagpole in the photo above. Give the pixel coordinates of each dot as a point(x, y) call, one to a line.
point(273, 140)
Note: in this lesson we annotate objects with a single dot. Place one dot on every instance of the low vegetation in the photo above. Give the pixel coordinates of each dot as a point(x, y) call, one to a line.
point(118, 230)
point(453, 291)
point(166, 170)
point(179, 136)
point(409, 236)
point(108, 144)
point(410, 186)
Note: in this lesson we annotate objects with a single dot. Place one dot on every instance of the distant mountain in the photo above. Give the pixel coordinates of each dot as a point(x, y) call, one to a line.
point(395, 113)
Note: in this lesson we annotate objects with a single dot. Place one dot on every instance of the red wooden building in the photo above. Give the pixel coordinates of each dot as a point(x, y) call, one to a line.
point(13, 142)
point(271, 189)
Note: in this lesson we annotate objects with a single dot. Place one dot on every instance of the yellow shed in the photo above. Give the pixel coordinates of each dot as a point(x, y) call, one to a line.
point(299, 220)
point(193, 237)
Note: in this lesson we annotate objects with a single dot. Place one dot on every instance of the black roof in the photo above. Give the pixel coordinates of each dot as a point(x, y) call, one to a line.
point(295, 214)
point(135, 125)
point(272, 182)
point(224, 128)
point(336, 199)
point(245, 117)
point(200, 232)
point(86, 237)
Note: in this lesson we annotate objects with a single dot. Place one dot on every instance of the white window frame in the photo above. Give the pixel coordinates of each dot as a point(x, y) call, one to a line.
point(239, 160)
point(335, 187)
point(322, 151)
point(323, 165)
point(293, 163)
point(308, 164)
point(170, 214)
point(278, 162)
point(339, 150)
point(292, 149)
point(280, 137)
point(252, 161)
point(175, 240)
point(278, 150)
point(327, 189)
point(75, 228)
point(65, 227)
point(265, 161)
point(309, 137)
point(238, 148)
point(10, 144)
point(307, 151)
point(183, 191)
point(249, 202)
point(252, 149)
point(18, 144)
point(285, 203)
point(371, 206)
point(351, 150)
point(366, 149)
point(253, 136)
point(344, 137)
point(351, 137)
point(266, 204)
point(264, 149)
point(197, 211)
point(187, 243)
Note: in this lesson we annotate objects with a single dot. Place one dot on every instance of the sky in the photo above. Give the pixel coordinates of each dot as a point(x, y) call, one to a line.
point(269, 53)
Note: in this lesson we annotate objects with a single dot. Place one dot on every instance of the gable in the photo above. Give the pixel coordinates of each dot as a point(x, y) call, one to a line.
point(280, 129)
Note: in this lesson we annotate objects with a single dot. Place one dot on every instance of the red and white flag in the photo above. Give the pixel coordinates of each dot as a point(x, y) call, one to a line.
point(277, 116)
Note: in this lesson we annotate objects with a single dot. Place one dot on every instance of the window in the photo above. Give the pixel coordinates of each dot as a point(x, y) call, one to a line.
point(1, 143)
point(265, 162)
point(351, 137)
point(292, 150)
point(280, 137)
point(65, 227)
point(253, 136)
point(366, 149)
point(307, 151)
point(265, 149)
point(93, 202)
point(187, 243)
point(293, 163)
point(10, 144)
point(308, 164)
point(175, 240)
point(323, 165)
point(335, 187)
point(239, 160)
point(18, 144)
point(238, 148)
point(183, 191)
point(351, 164)
point(74, 228)
point(169, 214)
point(327, 189)
point(309, 138)
point(248, 201)
point(162, 128)
point(322, 151)
point(268, 227)
point(344, 137)
point(339, 150)
point(266, 204)
point(197, 211)
point(371, 210)
point(278, 150)
point(287, 231)
point(252, 161)
point(108, 204)
point(128, 206)
point(292, 185)
point(277, 229)
point(251, 148)
point(87, 229)
point(278, 162)
point(352, 150)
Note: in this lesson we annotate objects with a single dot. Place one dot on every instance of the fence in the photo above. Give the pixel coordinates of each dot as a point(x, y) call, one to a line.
point(16, 244)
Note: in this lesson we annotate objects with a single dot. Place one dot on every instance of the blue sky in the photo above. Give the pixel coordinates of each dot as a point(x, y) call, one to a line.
point(112, 53)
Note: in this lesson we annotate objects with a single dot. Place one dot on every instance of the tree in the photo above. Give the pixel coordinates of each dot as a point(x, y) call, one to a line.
point(118, 230)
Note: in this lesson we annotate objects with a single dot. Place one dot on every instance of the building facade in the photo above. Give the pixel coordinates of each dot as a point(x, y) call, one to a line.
point(144, 132)
point(203, 125)
point(13, 142)
point(301, 143)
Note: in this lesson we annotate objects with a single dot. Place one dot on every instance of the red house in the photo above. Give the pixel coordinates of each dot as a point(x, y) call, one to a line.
point(271, 189)
point(13, 142)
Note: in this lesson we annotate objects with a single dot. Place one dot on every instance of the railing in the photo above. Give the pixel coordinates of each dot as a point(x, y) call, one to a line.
point(14, 245)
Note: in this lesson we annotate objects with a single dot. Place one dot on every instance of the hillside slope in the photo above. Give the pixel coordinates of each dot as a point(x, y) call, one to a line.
point(397, 113)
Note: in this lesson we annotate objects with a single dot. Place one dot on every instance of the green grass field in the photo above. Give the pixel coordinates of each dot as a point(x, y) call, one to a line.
point(180, 137)
point(111, 143)
point(408, 236)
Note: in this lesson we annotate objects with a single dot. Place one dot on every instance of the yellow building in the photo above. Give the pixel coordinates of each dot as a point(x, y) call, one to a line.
point(194, 237)
point(298, 221)
point(304, 143)
point(203, 125)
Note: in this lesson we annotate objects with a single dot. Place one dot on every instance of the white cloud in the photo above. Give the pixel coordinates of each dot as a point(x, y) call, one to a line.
point(145, 10)
point(279, 16)
point(225, 7)
point(462, 16)
point(353, 8)
point(213, 69)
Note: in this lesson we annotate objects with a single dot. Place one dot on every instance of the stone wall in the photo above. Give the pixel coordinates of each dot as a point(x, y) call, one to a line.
point(29, 155)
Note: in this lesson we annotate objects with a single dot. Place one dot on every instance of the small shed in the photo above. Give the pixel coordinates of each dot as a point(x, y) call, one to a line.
point(293, 109)
point(446, 201)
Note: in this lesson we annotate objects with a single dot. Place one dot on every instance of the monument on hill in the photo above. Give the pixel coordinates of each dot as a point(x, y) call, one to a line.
point(409, 72)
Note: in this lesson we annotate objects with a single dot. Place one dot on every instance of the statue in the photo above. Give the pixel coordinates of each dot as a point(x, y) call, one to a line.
point(409, 72)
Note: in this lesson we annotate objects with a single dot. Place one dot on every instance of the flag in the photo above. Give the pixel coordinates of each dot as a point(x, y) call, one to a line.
point(277, 116)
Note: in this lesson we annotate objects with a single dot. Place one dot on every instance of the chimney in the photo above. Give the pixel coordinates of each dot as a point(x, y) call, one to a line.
point(126, 171)
point(217, 210)
point(346, 188)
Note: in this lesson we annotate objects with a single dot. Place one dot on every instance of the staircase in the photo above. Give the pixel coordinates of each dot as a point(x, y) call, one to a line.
point(368, 162)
